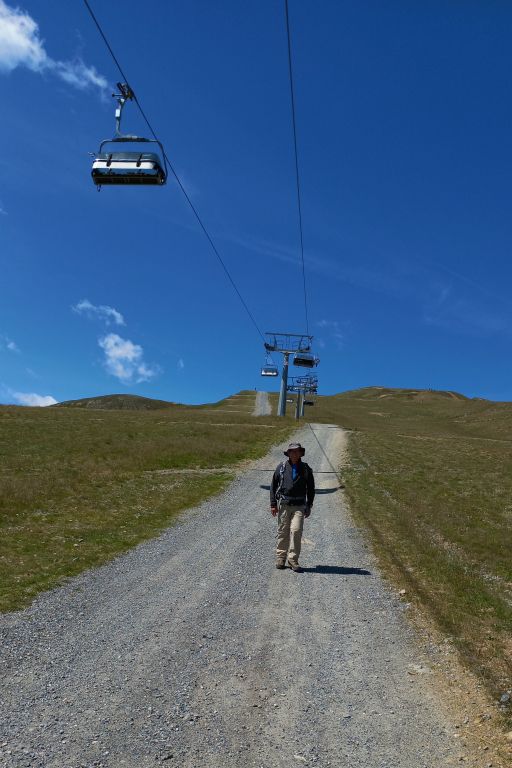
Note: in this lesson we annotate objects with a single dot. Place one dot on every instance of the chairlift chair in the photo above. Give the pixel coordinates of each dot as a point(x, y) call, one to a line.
point(139, 168)
point(127, 167)
point(304, 360)
point(269, 368)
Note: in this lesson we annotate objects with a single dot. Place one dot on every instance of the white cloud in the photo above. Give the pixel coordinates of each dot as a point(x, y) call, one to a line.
point(19, 40)
point(104, 312)
point(21, 46)
point(124, 359)
point(180, 364)
point(78, 74)
point(31, 398)
point(3, 212)
point(334, 327)
point(7, 343)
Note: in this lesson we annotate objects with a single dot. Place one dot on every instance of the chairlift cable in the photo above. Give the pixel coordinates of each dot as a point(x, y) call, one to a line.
point(297, 177)
point(178, 180)
point(105, 41)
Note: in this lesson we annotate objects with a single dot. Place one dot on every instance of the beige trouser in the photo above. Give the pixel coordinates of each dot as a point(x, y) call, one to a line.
point(290, 522)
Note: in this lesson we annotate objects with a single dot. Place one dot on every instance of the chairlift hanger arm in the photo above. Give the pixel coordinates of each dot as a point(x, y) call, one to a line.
point(121, 98)
point(137, 140)
point(288, 342)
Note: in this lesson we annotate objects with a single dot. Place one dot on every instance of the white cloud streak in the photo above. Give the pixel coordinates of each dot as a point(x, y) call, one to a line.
point(180, 364)
point(125, 360)
point(21, 46)
point(7, 343)
point(380, 281)
point(78, 74)
point(334, 328)
point(455, 307)
point(104, 312)
point(32, 399)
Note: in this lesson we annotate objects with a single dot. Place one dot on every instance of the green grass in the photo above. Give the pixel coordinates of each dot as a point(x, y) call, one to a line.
point(78, 486)
point(430, 478)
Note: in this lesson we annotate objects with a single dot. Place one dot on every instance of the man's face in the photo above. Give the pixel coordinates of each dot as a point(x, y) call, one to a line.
point(294, 455)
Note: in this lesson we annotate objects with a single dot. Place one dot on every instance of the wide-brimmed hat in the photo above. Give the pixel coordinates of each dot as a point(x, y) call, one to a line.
point(295, 446)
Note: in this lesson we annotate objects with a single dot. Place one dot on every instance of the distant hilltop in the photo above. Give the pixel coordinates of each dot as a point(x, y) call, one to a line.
point(116, 403)
point(380, 393)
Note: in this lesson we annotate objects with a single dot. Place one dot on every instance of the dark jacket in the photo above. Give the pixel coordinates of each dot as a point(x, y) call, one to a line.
point(300, 491)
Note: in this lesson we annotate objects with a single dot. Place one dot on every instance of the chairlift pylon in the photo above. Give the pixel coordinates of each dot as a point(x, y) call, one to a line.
point(135, 168)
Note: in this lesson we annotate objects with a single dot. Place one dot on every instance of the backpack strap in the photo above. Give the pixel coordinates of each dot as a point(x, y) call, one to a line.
point(282, 468)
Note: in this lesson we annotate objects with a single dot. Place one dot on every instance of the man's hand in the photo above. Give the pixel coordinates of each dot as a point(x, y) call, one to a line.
point(273, 511)
point(307, 511)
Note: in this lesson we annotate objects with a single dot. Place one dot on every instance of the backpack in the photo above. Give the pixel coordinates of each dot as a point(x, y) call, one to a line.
point(282, 468)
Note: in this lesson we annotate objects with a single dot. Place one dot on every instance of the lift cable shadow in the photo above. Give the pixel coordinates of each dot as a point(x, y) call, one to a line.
point(317, 491)
point(317, 471)
point(324, 453)
point(339, 570)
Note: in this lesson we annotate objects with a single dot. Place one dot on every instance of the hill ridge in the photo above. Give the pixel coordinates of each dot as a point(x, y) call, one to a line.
point(412, 393)
point(117, 402)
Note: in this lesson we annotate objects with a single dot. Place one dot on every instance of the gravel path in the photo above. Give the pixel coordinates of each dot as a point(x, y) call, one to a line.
point(262, 406)
point(192, 650)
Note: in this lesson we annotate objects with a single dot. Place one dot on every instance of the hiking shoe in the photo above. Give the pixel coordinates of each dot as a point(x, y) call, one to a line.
point(294, 566)
point(280, 564)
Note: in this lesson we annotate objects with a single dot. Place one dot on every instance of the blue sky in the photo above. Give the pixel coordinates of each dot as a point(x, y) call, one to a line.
point(404, 119)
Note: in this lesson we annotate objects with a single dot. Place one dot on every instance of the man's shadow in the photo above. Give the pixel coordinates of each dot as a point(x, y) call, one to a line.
point(337, 570)
point(328, 490)
point(318, 490)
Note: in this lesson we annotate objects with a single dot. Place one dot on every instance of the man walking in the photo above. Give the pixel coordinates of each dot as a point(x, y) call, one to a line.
point(291, 498)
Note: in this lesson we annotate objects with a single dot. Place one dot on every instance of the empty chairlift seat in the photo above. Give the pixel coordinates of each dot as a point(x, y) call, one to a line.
point(128, 168)
point(305, 360)
point(269, 370)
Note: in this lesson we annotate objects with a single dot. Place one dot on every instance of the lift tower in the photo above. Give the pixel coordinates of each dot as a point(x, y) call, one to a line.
point(287, 344)
point(302, 385)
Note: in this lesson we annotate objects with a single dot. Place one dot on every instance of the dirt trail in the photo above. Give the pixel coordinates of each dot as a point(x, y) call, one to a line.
point(262, 406)
point(193, 650)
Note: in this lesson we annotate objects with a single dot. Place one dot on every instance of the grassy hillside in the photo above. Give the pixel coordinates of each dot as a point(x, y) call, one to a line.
point(80, 484)
point(431, 480)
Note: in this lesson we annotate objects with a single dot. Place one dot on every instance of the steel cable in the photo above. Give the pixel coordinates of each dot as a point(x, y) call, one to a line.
point(297, 177)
